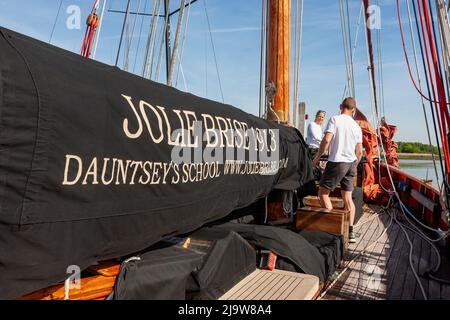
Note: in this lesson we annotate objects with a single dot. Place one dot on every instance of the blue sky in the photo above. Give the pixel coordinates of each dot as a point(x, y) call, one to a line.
point(236, 31)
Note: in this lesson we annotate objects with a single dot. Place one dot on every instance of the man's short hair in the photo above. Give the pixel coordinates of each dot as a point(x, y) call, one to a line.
point(349, 103)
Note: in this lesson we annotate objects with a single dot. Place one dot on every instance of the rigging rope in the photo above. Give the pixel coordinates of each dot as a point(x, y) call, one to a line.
point(435, 55)
point(166, 27)
point(140, 35)
point(164, 39)
point(406, 55)
point(405, 210)
point(180, 67)
point(127, 39)
point(420, 86)
point(56, 20)
point(441, 106)
point(380, 69)
point(123, 30)
point(429, 93)
point(175, 44)
point(149, 39)
point(358, 25)
point(97, 35)
point(91, 26)
point(382, 154)
point(346, 40)
point(214, 50)
point(355, 43)
point(437, 51)
point(153, 47)
point(349, 36)
point(130, 38)
point(443, 110)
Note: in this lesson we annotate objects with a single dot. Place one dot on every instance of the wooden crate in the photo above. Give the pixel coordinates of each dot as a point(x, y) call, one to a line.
point(275, 212)
point(319, 219)
point(313, 201)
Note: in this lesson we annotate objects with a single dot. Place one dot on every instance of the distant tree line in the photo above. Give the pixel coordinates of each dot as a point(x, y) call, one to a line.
point(416, 147)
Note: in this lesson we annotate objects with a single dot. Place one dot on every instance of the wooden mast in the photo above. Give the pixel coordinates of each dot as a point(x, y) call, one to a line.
point(278, 56)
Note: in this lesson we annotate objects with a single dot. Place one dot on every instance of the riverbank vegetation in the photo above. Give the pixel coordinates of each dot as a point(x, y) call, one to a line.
point(416, 151)
point(416, 147)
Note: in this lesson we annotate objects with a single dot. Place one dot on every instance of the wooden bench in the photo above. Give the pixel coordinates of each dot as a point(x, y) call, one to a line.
point(275, 285)
point(335, 221)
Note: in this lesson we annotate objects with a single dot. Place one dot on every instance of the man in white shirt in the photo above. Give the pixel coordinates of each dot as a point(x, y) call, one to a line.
point(314, 133)
point(343, 139)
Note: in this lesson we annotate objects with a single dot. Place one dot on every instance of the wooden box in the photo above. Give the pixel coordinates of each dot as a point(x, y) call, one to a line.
point(313, 201)
point(320, 219)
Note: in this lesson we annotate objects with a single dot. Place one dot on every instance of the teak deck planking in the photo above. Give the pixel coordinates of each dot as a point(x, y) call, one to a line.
point(390, 255)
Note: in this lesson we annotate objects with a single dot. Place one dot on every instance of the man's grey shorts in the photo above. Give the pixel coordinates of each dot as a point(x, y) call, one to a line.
point(342, 173)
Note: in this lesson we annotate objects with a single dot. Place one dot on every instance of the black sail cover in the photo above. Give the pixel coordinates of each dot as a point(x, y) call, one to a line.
point(89, 168)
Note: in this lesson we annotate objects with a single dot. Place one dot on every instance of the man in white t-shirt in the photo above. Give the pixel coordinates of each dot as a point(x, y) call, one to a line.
point(314, 133)
point(343, 139)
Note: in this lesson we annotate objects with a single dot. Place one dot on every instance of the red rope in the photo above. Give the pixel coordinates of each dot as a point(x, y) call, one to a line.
point(430, 75)
point(83, 48)
point(440, 88)
point(440, 104)
point(92, 23)
point(406, 56)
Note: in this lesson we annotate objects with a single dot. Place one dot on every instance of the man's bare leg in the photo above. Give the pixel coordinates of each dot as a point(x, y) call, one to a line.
point(349, 205)
point(324, 196)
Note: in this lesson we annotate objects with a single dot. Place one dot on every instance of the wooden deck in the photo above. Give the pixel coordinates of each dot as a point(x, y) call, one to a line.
point(383, 271)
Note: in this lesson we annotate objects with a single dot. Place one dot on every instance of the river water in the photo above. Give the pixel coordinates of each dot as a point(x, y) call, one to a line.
point(422, 169)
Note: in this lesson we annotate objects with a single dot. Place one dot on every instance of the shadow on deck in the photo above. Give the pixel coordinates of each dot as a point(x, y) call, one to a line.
point(383, 271)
